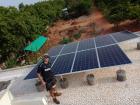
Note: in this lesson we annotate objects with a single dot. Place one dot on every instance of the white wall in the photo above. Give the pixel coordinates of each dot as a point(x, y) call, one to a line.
point(30, 101)
point(12, 73)
point(6, 98)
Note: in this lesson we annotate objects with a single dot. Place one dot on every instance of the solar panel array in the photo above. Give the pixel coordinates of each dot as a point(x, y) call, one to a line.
point(89, 59)
point(100, 41)
point(101, 51)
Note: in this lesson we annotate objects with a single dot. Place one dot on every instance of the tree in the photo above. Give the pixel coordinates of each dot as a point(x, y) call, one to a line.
point(21, 6)
point(117, 14)
point(117, 11)
point(79, 7)
point(134, 12)
point(18, 26)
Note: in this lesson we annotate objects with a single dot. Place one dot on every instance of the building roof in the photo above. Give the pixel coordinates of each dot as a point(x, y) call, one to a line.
point(36, 44)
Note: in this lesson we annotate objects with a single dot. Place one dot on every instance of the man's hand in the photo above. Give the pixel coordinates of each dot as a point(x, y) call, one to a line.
point(43, 83)
point(54, 86)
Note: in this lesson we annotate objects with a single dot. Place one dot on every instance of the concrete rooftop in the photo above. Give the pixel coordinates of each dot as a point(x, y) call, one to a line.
point(106, 91)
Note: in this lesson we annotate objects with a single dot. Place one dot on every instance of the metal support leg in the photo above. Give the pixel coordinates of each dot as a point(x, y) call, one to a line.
point(63, 82)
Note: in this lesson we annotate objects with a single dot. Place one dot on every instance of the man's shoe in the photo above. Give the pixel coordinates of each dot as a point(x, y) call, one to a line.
point(56, 101)
point(57, 94)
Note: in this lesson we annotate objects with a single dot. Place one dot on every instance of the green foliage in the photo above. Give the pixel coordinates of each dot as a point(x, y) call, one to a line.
point(21, 6)
point(10, 63)
point(134, 12)
point(79, 7)
point(18, 26)
point(77, 36)
point(65, 40)
point(117, 11)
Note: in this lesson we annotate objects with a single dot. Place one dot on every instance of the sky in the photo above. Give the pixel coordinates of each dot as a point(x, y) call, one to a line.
point(15, 3)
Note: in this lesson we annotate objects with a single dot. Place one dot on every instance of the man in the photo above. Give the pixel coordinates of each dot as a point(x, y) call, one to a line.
point(47, 78)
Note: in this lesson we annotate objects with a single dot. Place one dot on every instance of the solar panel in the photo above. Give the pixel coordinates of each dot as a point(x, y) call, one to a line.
point(63, 64)
point(102, 51)
point(86, 44)
point(69, 48)
point(55, 51)
point(123, 36)
point(104, 40)
point(85, 60)
point(52, 59)
point(112, 55)
point(33, 74)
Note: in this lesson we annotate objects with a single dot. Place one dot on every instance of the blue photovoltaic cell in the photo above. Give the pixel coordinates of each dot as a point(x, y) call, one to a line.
point(85, 60)
point(123, 36)
point(104, 40)
point(69, 48)
point(112, 55)
point(33, 74)
point(86, 44)
point(63, 64)
point(55, 50)
point(52, 59)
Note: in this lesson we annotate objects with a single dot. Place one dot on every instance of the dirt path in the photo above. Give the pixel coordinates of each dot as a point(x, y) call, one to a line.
point(107, 27)
point(101, 22)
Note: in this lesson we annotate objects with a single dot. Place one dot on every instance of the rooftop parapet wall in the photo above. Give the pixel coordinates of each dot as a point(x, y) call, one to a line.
point(12, 73)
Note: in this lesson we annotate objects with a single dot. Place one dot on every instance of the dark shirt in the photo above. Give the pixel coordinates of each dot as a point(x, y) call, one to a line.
point(45, 71)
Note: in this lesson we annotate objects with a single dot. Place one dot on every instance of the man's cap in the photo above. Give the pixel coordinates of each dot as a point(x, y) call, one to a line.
point(46, 56)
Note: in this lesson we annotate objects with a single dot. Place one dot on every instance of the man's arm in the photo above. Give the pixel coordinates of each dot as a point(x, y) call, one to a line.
point(41, 79)
point(39, 70)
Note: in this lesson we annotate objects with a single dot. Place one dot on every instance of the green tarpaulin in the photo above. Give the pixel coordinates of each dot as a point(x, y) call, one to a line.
point(36, 44)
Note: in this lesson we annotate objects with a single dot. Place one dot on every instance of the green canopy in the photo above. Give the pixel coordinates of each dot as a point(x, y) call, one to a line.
point(36, 44)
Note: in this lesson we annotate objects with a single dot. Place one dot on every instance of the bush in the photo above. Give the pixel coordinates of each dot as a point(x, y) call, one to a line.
point(79, 7)
point(26, 23)
point(117, 11)
point(77, 36)
point(65, 40)
point(10, 63)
